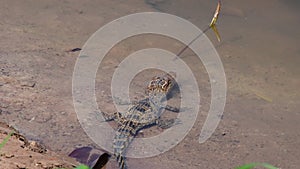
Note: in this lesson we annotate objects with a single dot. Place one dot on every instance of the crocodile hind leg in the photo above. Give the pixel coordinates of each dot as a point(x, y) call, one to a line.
point(121, 162)
point(165, 124)
point(172, 109)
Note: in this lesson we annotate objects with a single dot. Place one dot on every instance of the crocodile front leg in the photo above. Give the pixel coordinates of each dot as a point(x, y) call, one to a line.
point(116, 116)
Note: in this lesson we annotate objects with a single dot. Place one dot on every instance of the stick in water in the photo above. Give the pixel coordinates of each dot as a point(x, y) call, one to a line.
point(212, 25)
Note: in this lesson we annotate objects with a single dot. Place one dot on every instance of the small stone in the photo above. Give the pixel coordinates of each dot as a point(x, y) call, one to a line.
point(66, 134)
point(21, 166)
point(9, 155)
point(28, 83)
point(34, 146)
point(32, 119)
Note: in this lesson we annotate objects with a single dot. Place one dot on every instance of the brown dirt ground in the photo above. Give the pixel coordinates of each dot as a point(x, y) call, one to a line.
point(259, 50)
point(22, 153)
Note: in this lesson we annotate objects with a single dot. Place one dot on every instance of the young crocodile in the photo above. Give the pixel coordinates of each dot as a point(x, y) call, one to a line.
point(142, 114)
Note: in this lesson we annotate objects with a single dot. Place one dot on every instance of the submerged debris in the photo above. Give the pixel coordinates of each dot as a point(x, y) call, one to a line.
point(88, 156)
point(74, 50)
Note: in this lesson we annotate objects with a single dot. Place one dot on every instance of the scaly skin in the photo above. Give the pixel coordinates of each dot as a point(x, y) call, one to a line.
point(142, 114)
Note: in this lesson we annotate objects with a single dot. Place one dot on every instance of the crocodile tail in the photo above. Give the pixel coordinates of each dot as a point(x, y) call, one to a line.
point(122, 140)
point(121, 162)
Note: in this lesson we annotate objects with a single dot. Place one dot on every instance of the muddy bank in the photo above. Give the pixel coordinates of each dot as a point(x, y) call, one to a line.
point(20, 153)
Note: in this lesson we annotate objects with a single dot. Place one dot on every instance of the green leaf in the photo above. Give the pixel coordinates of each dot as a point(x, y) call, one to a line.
point(247, 166)
point(78, 167)
point(252, 165)
point(6, 139)
point(269, 166)
point(82, 167)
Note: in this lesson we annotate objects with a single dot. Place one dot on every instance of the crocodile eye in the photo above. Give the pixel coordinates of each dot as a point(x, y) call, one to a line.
point(165, 85)
point(150, 85)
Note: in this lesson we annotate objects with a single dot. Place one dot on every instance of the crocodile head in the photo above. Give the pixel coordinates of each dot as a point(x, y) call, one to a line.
point(160, 85)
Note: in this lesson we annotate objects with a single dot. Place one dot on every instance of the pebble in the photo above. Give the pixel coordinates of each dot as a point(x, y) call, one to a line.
point(9, 155)
point(28, 83)
point(21, 166)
